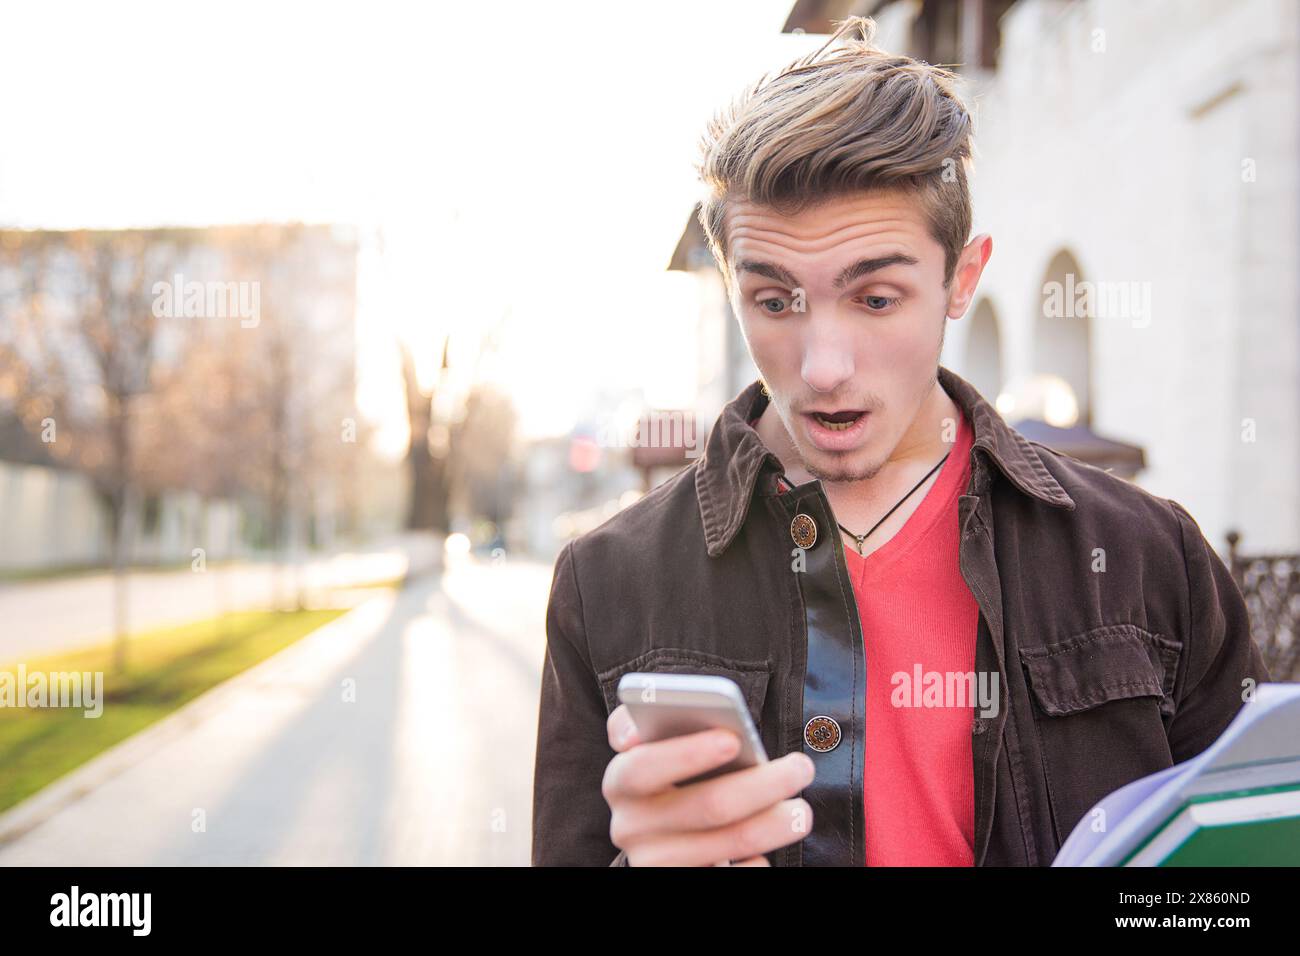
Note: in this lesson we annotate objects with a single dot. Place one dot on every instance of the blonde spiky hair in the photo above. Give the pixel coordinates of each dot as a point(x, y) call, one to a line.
point(847, 118)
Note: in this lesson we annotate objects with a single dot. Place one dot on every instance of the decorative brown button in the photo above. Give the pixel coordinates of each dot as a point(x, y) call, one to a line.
point(804, 531)
point(822, 733)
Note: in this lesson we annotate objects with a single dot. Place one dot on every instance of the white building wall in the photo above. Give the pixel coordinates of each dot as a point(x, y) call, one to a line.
point(48, 518)
point(1130, 157)
point(51, 518)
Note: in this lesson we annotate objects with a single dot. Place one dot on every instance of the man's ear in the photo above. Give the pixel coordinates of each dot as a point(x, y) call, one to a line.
point(966, 276)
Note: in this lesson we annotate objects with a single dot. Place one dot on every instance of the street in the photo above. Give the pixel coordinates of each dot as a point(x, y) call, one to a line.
point(401, 733)
point(45, 617)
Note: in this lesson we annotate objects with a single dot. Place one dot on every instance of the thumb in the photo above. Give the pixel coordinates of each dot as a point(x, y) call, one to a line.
point(622, 732)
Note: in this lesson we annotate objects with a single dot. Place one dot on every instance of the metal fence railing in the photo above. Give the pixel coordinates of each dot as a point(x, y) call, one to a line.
point(1271, 586)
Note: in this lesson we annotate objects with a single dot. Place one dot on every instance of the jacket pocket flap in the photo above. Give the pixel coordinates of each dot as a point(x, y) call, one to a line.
point(1113, 662)
point(750, 676)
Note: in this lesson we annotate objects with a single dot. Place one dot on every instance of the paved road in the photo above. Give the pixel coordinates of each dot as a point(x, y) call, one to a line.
point(430, 764)
point(44, 617)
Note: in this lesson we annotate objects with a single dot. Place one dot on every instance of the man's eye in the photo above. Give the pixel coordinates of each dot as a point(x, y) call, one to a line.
point(879, 303)
point(774, 306)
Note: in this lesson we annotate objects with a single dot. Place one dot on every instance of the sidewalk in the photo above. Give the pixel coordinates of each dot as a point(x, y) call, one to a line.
point(429, 763)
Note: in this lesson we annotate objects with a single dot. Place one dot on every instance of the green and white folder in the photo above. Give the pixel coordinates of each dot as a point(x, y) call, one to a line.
point(1235, 804)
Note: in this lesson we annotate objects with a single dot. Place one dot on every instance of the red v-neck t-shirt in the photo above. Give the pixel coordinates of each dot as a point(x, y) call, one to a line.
point(919, 619)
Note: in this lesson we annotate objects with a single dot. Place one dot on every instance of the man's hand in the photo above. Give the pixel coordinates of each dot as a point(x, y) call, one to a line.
point(735, 816)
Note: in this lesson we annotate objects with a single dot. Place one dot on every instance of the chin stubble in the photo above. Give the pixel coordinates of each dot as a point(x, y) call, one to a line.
point(844, 477)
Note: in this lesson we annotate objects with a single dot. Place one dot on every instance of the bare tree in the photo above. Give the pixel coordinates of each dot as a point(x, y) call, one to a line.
point(198, 427)
point(82, 340)
point(144, 403)
point(304, 429)
point(427, 466)
point(483, 481)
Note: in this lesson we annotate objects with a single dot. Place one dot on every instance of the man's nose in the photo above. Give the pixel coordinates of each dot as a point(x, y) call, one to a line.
point(827, 357)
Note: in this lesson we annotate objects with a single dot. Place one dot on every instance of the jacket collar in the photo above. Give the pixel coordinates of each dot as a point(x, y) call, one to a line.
point(734, 457)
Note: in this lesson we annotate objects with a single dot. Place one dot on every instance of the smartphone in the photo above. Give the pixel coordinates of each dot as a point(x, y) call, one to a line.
point(670, 705)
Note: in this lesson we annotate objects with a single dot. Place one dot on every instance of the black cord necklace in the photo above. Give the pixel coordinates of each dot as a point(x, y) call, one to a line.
point(860, 538)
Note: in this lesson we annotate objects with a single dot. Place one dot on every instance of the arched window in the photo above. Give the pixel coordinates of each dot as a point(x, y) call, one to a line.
point(983, 363)
point(1063, 330)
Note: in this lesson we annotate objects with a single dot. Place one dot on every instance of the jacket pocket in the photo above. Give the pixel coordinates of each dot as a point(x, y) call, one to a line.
point(1100, 702)
point(750, 675)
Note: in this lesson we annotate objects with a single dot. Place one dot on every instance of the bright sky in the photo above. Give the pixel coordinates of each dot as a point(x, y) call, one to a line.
point(528, 168)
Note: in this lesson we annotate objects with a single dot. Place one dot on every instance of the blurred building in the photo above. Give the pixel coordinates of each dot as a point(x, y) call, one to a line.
point(572, 483)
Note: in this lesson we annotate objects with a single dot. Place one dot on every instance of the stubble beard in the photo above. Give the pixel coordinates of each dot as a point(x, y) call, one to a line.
point(845, 474)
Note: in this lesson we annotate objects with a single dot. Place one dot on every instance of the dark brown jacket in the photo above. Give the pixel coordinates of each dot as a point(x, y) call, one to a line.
point(1104, 675)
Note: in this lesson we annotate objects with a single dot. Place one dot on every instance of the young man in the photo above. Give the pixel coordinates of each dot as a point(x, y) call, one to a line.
point(953, 641)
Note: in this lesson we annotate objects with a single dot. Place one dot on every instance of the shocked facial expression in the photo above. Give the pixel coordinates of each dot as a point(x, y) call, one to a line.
point(843, 307)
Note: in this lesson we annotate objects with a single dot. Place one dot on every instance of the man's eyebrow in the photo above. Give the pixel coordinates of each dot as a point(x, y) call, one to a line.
point(867, 266)
point(859, 269)
point(769, 270)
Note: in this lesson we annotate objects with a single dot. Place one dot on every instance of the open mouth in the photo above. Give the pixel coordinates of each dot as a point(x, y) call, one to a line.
point(837, 421)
